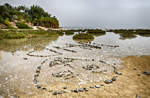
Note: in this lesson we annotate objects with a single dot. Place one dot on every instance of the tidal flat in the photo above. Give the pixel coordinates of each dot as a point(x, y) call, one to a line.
point(59, 67)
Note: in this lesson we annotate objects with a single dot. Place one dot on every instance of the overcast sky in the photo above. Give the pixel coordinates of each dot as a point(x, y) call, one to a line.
point(95, 13)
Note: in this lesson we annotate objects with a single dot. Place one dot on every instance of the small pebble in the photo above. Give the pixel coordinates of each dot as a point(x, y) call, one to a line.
point(25, 58)
point(108, 81)
point(54, 93)
point(86, 89)
point(138, 75)
point(146, 73)
point(38, 87)
point(81, 90)
point(119, 73)
point(97, 86)
point(44, 88)
point(114, 78)
point(64, 87)
point(91, 86)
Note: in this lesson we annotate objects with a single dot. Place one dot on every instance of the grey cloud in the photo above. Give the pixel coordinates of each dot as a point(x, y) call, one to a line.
point(95, 13)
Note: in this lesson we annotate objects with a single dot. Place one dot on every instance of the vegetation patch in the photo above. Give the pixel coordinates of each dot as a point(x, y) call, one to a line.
point(69, 32)
point(96, 32)
point(11, 35)
point(131, 33)
point(22, 25)
point(34, 15)
point(83, 36)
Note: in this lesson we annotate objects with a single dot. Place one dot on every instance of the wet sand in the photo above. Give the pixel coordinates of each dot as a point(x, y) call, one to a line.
point(130, 84)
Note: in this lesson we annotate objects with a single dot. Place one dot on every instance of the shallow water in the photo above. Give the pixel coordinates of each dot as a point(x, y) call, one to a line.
point(19, 60)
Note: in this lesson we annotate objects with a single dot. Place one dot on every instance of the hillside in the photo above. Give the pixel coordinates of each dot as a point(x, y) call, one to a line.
point(25, 18)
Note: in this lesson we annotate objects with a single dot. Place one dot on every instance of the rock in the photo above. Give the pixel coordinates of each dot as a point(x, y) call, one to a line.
point(134, 68)
point(114, 78)
point(55, 93)
point(91, 86)
point(44, 88)
point(81, 90)
point(97, 86)
point(146, 72)
point(64, 87)
point(36, 75)
point(108, 81)
point(102, 61)
point(37, 71)
point(39, 67)
point(118, 73)
point(138, 75)
point(25, 58)
point(35, 81)
point(85, 89)
point(75, 91)
point(38, 86)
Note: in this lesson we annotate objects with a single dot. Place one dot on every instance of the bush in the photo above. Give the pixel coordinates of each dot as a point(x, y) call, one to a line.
point(7, 22)
point(69, 32)
point(22, 25)
point(83, 36)
point(10, 35)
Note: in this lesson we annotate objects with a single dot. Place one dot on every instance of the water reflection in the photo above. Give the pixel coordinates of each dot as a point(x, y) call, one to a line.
point(26, 44)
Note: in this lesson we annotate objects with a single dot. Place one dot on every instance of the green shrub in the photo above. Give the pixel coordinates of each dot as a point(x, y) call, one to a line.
point(22, 25)
point(69, 32)
point(95, 31)
point(83, 36)
point(10, 35)
point(7, 22)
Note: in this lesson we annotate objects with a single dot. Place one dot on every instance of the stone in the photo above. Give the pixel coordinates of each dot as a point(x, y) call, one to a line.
point(81, 90)
point(39, 67)
point(114, 78)
point(35, 81)
point(85, 89)
point(44, 88)
point(91, 86)
point(108, 81)
point(138, 75)
point(64, 87)
point(146, 72)
point(25, 58)
point(55, 93)
point(76, 91)
point(118, 73)
point(97, 86)
point(38, 86)
point(37, 71)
